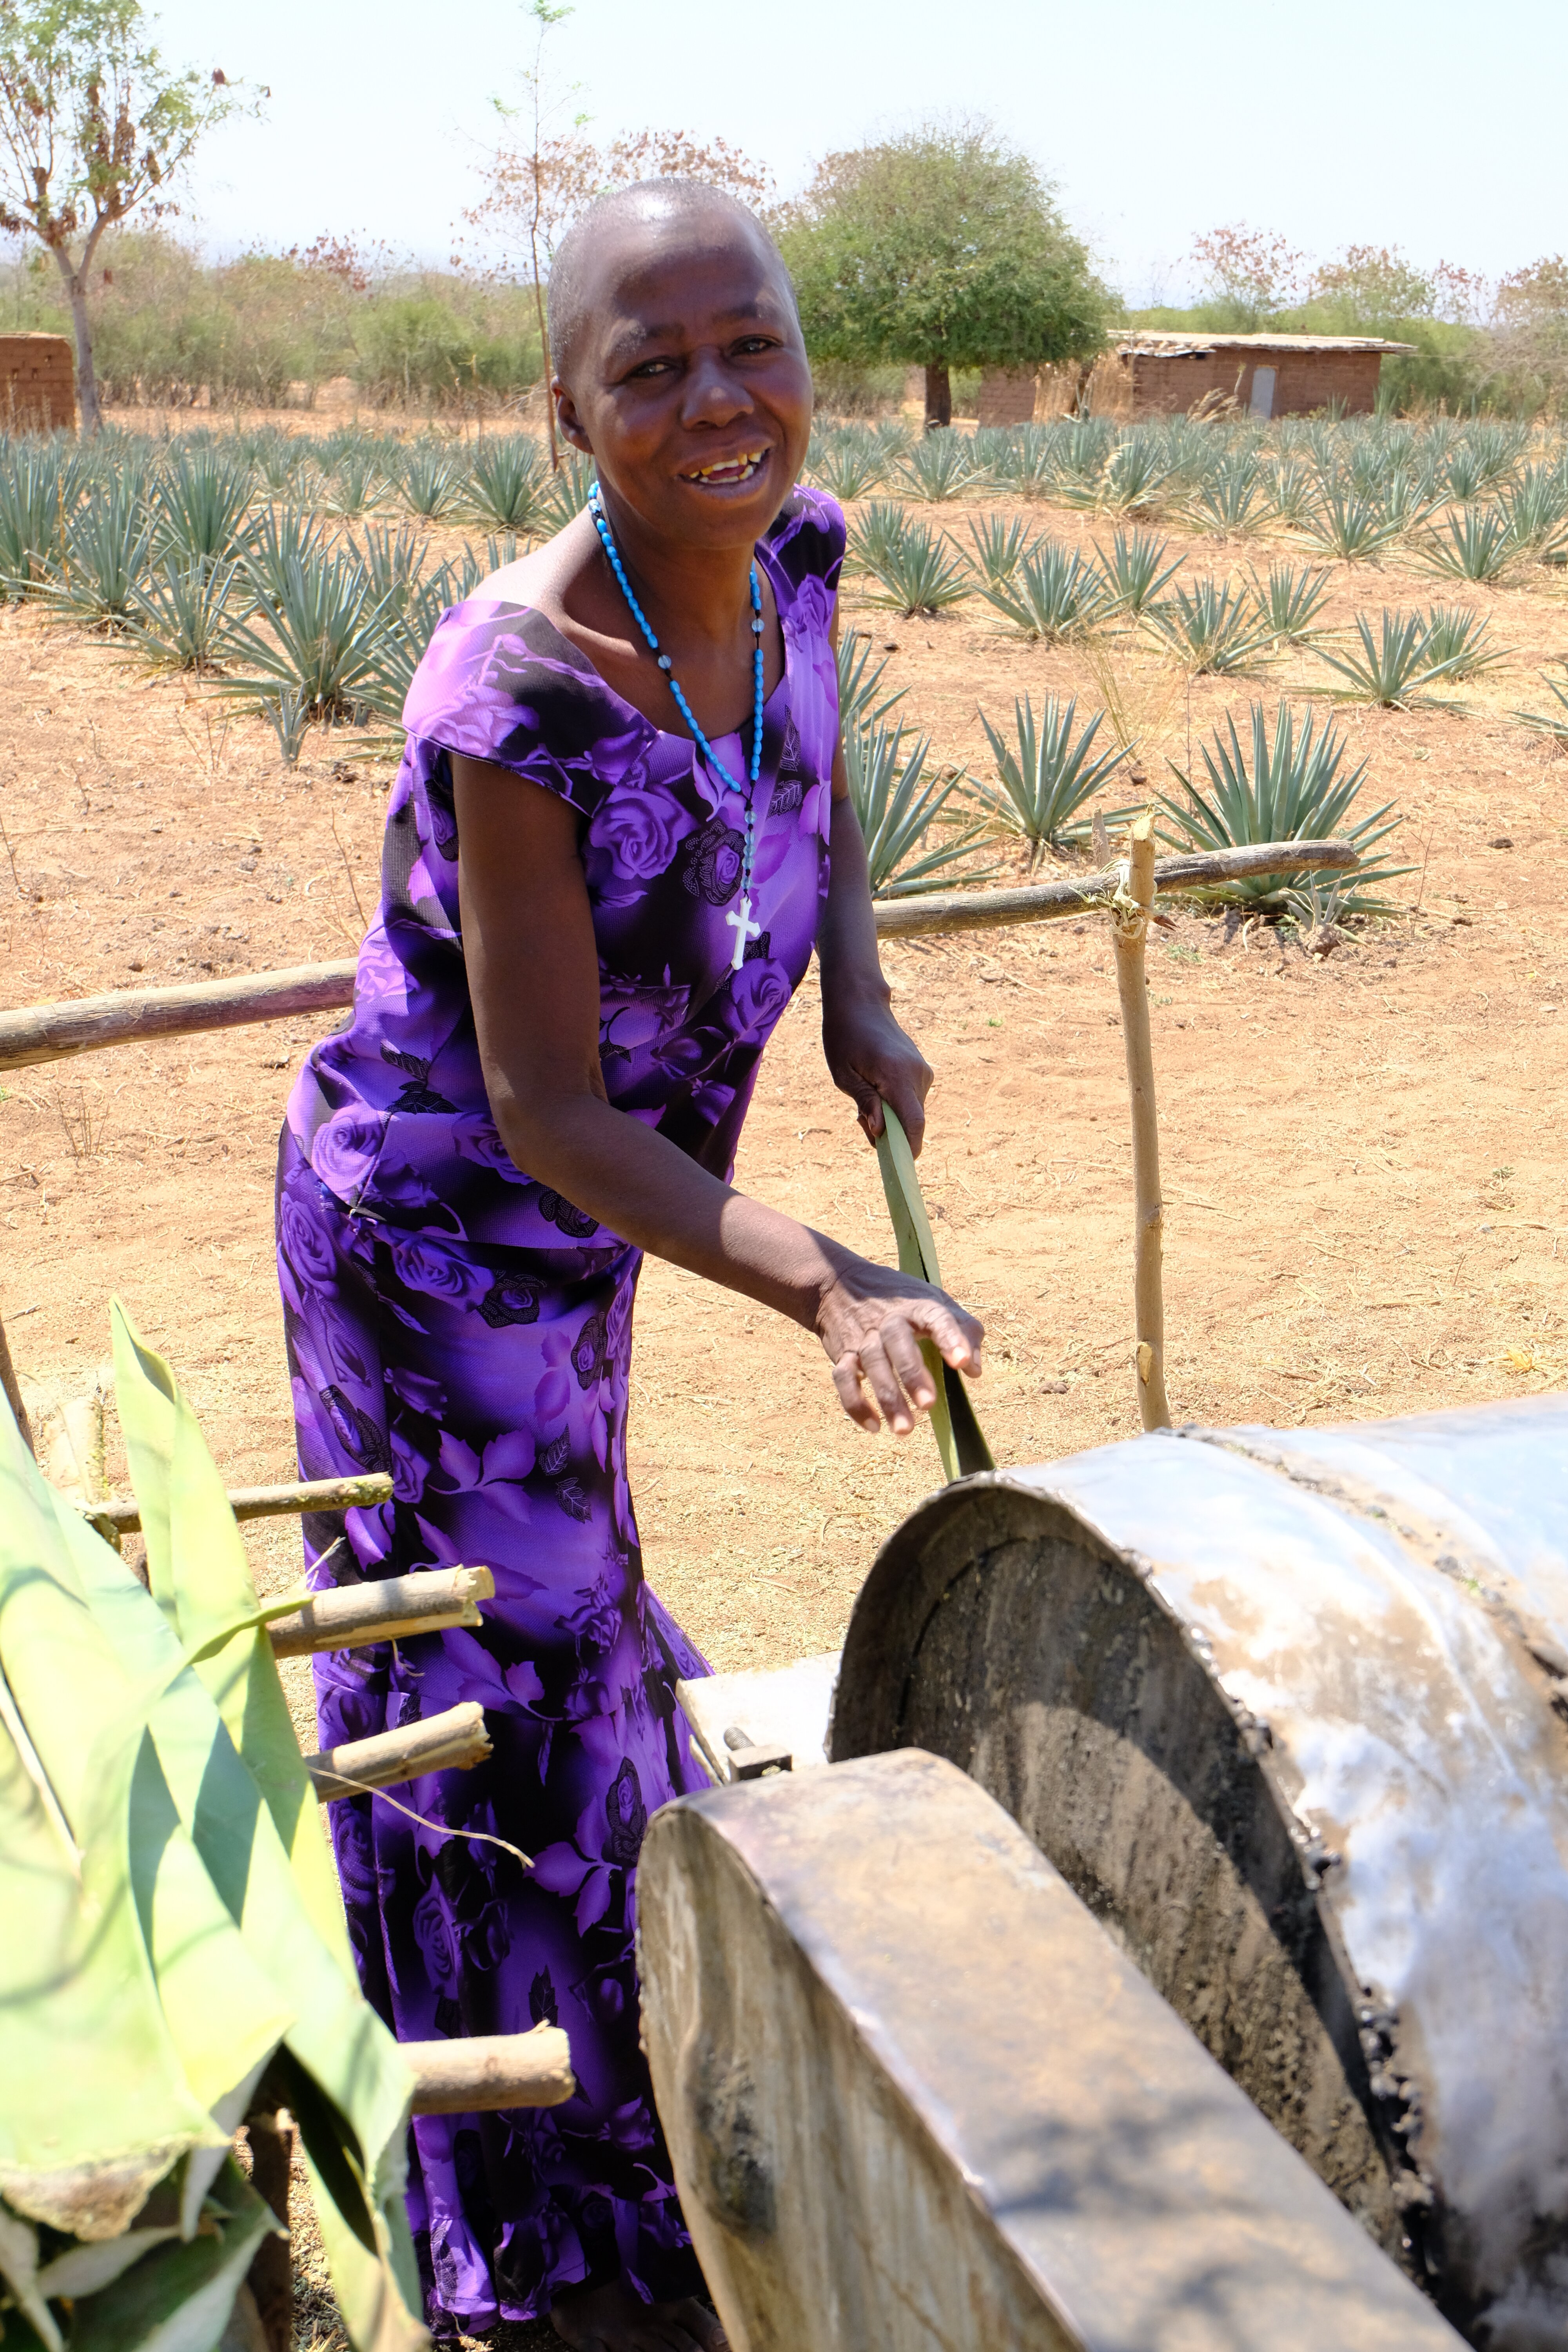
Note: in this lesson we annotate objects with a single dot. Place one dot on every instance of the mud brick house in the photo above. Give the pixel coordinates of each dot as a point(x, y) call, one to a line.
point(37, 384)
point(1268, 375)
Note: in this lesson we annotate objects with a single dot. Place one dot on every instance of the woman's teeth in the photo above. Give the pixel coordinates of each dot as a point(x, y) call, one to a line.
point(732, 469)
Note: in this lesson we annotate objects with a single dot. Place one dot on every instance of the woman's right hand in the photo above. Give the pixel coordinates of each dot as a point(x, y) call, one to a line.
point(871, 1318)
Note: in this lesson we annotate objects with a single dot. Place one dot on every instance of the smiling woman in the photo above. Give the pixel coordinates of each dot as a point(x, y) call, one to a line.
point(621, 827)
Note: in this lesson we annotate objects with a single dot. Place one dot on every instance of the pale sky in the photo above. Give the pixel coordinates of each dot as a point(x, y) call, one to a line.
point(1426, 124)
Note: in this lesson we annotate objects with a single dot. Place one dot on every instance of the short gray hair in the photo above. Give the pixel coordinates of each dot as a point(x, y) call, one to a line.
point(650, 200)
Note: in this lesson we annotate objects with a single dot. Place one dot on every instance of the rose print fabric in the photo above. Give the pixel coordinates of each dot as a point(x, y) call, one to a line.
point(455, 1322)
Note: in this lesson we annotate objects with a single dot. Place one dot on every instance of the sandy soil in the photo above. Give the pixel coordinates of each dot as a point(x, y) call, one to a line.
point(1362, 1154)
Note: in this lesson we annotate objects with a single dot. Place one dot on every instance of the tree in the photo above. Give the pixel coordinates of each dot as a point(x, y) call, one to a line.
point(942, 250)
point(93, 126)
point(1530, 332)
point(1251, 273)
point(542, 180)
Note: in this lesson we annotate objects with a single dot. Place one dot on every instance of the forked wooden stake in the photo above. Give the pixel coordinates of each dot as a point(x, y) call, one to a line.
point(1130, 930)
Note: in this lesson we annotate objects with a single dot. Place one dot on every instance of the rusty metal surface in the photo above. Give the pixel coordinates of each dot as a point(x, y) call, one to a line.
point(916, 2097)
point(1382, 1612)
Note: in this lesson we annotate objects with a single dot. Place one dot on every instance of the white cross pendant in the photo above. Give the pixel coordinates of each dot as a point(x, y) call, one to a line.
point(744, 929)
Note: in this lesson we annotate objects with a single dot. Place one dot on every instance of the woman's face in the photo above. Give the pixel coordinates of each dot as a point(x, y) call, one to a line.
point(690, 383)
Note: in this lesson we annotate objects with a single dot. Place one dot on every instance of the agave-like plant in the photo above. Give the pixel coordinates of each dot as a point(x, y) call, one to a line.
point(1535, 509)
point(432, 479)
point(199, 505)
point(847, 462)
point(39, 487)
point(562, 496)
point(1135, 476)
point(393, 560)
point(876, 533)
point(105, 554)
point(355, 484)
point(1232, 499)
point(1294, 492)
point(274, 542)
point(178, 617)
point(1408, 497)
point(172, 1926)
point(1056, 592)
point(1045, 774)
point(915, 571)
point(325, 625)
point(1079, 453)
point(1000, 547)
point(283, 461)
point(1290, 600)
point(991, 451)
point(1368, 462)
point(1290, 790)
point(898, 804)
point(1213, 630)
point(506, 481)
point(1350, 525)
point(894, 435)
point(1485, 457)
point(1135, 569)
point(1395, 666)
point(1474, 544)
point(1457, 636)
point(939, 466)
point(860, 702)
point(1030, 466)
point(289, 715)
point(1551, 723)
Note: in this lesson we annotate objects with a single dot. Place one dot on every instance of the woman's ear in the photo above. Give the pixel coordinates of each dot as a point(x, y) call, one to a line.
point(568, 423)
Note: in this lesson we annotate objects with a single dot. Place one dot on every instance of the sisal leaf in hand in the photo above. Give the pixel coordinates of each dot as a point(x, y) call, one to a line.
point(960, 1440)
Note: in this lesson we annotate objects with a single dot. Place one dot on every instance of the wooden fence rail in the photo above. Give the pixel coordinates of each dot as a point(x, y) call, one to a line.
point(50, 1032)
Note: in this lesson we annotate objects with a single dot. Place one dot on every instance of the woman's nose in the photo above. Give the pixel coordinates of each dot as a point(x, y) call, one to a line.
point(715, 393)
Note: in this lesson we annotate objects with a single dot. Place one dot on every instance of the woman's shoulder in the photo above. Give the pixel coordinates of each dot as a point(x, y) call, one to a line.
point(806, 537)
point(498, 682)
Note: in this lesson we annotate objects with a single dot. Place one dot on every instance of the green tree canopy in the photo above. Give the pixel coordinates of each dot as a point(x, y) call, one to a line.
point(943, 249)
point(93, 126)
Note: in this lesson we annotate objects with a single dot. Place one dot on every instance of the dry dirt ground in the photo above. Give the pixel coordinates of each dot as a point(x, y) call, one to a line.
point(1366, 1197)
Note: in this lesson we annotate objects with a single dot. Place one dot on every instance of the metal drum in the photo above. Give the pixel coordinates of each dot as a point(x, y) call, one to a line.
point(1286, 1710)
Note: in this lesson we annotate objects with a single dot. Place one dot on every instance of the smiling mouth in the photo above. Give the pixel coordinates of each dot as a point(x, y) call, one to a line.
point(726, 471)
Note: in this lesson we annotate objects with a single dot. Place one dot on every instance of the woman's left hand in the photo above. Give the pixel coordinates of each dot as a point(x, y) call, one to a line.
point(873, 1062)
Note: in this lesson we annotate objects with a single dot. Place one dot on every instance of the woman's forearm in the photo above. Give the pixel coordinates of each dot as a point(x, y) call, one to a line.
point(644, 1189)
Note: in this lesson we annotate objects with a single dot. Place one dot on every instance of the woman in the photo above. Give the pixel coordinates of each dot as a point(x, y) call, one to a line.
point(603, 881)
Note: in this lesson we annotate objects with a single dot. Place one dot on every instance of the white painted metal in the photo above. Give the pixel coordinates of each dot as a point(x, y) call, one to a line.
point(780, 1706)
point(1391, 1601)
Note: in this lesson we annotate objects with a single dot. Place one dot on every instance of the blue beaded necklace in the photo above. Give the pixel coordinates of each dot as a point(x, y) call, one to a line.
point(744, 927)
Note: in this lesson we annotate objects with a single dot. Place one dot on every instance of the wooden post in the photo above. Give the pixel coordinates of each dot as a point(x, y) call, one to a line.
point(490, 2071)
point(12, 1392)
point(453, 1741)
point(386, 1609)
point(1130, 930)
point(271, 2277)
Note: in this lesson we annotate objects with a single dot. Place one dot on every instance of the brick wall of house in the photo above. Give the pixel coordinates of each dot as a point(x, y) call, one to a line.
point(1008, 396)
point(37, 384)
point(1169, 384)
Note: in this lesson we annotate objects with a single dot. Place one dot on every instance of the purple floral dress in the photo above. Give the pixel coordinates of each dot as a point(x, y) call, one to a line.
point(452, 1320)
